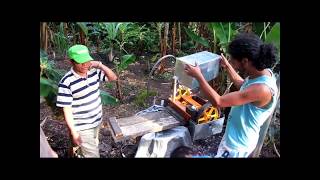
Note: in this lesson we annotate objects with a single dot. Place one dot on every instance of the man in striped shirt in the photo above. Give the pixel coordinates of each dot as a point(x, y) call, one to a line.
point(79, 96)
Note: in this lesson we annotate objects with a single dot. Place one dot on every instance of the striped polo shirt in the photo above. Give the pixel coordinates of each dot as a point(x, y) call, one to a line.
point(83, 95)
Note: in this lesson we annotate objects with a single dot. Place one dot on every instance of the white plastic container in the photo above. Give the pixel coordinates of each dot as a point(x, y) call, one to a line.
point(209, 65)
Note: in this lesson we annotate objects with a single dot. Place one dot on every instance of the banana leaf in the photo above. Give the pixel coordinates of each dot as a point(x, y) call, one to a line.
point(125, 61)
point(273, 37)
point(107, 99)
point(196, 38)
point(47, 86)
point(83, 27)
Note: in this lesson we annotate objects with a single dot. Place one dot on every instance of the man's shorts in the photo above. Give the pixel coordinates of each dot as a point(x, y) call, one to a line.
point(226, 152)
point(90, 142)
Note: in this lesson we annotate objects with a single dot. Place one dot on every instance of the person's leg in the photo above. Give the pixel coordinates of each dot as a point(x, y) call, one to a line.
point(90, 142)
point(96, 137)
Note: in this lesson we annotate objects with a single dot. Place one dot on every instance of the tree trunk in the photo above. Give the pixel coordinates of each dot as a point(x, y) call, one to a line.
point(184, 36)
point(110, 55)
point(160, 37)
point(174, 39)
point(248, 28)
point(214, 42)
point(44, 36)
point(203, 33)
point(65, 30)
point(165, 38)
point(148, 65)
point(118, 85)
point(98, 43)
point(41, 35)
point(82, 38)
point(199, 27)
point(74, 37)
point(179, 33)
point(164, 42)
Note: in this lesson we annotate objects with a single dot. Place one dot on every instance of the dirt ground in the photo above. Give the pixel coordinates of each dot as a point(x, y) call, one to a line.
point(132, 80)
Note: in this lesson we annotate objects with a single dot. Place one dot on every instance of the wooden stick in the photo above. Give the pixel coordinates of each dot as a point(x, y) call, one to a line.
point(115, 127)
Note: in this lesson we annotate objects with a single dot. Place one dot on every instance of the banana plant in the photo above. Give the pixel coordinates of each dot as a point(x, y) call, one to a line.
point(222, 33)
point(107, 99)
point(60, 41)
point(117, 35)
point(49, 79)
point(83, 27)
point(44, 29)
point(83, 31)
point(140, 37)
point(273, 37)
point(111, 30)
point(126, 60)
point(47, 68)
point(159, 27)
point(270, 34)
point(47, 87)
point(120, 66)
point(127, 33)
point(196, 37)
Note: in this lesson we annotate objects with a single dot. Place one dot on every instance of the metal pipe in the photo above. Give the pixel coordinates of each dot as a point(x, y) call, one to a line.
point(175, 78)
point(156, 64)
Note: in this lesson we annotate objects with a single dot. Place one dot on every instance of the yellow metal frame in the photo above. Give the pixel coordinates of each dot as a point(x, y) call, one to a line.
point(207, 115)
point(186, 92)
point(210, 113)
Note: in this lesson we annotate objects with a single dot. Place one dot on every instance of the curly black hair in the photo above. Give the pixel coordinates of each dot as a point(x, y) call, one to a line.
point(249, 45)
point(181, 152)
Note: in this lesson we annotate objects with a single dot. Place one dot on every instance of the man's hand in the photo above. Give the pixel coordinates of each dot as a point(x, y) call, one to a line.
point(223, 61)
point(76, 138)
point(95, 64)
point(193, 71)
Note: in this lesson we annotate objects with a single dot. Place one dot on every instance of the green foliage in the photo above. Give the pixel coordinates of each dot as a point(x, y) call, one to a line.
point(94, 29)
point(83, 27)
point(125, 36)
point(155, 57)
point(274, 37)
point(116, 35)
point(49, 76)
point(109, 85)
point(107, 99)
point(165, 75)
point(196, 38)
point(188, 45)
point(60, 41)
point(142, 97)
point(222, 33)
point(47, 86)
point(258, 28)
point(113, 31)
point(142, 36)
point(125, 61)
point(48, 70)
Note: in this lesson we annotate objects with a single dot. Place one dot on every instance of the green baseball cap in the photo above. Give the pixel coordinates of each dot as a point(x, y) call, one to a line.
point(79, 53)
